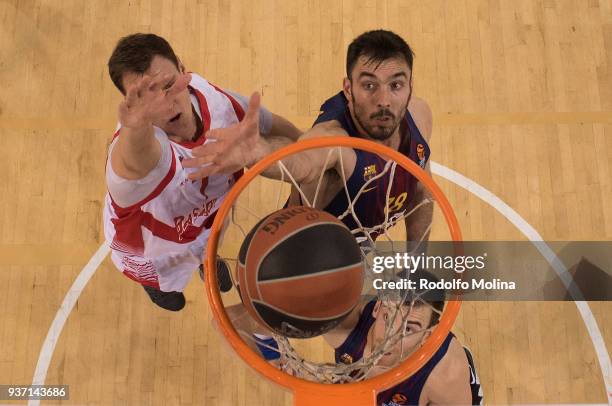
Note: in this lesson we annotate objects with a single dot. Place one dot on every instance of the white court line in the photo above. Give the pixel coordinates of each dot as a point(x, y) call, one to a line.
point(519, 222)
point(46, 352)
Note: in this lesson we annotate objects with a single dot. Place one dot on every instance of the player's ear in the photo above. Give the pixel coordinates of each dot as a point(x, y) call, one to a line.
point(180, 65)
point(411, 88)
point(376, 309)
point(346, 88)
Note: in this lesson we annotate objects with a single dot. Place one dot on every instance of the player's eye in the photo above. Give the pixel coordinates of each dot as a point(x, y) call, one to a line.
point(397, 85)
point(369, 86)
point(169, 85)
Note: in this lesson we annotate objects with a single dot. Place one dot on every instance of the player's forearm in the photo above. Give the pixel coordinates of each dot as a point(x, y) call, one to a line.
point(137, 152)
point(301, 166)
point(418, 223)
point(281, 133)
point(306, 166)
point(282, 130)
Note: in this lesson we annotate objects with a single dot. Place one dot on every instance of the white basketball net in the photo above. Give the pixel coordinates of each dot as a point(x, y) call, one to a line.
point(290, 359)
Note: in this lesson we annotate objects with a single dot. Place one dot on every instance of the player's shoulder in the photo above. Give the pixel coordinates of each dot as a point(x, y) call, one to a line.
point(455, 355)
point(421, 114)
point(329, 125)
point(217, 98)
point(337, 101)
point(208, 90)
point(419, 106)
point(453, 368)
point(333, 108)
point(198, 81)
point(449, 382)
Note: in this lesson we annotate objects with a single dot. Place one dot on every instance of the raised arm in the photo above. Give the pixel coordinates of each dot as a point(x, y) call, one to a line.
point(242, 144)
point(307, 166)
point(137, 151)
point(272, 127)
point(418, 222)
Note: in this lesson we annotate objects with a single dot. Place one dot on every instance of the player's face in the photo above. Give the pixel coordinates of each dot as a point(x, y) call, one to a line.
point(415, 325)
point(378, 95)
point(180, 120)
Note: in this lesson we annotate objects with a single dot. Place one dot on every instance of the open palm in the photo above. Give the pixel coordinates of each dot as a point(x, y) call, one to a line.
point(228, 149)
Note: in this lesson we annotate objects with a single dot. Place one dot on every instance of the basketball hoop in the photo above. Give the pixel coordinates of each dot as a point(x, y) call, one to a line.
point(309, 393)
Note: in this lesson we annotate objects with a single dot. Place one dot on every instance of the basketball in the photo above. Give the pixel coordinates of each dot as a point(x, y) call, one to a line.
point(300, 272)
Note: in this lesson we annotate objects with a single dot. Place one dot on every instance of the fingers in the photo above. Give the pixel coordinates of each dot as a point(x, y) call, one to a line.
point(221, 134)
point(131, 96)
point(149, 86)
point(180, 84)
point(137, 90)
point(204, 172)
point(158, 82)
point(213, 134)
point(199, 161)
point(252, 113)
point(208, 148)
point(203, 155)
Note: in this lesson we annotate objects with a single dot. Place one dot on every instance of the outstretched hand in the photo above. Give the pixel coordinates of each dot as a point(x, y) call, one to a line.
point(229, 149)
point(146, 100)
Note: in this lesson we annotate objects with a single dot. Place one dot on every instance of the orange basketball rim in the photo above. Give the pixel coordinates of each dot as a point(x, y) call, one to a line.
point(307, 393)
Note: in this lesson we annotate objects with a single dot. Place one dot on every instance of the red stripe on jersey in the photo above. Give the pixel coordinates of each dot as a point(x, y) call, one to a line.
point(146, 282)
point(129, 234)
point(205, 114)
point(203, 186)
point(129, 219)
point(169, 233)
point(127, 231)
point(237, 107)
point(160, 187)
point(239, 113)
point(203, 104)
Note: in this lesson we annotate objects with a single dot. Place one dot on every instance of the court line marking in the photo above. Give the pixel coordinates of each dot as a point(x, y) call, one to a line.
point(48, 347)
point(519, 222)
point(469, 185)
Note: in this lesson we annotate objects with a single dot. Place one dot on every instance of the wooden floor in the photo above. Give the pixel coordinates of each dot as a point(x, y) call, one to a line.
point(522, 98)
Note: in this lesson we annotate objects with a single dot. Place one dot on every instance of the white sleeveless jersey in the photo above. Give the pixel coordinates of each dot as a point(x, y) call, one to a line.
point(160, 240)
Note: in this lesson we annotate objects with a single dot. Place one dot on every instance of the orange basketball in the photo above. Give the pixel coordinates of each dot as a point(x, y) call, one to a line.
point(300, 272)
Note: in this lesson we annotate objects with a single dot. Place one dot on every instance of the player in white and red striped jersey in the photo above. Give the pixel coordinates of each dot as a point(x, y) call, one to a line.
point(156, 219)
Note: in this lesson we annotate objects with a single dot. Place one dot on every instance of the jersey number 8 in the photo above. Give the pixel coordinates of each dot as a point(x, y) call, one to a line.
point(396, 202)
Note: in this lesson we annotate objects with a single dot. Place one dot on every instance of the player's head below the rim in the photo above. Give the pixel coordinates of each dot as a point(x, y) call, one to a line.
point(397, 323)
point(414, 319)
